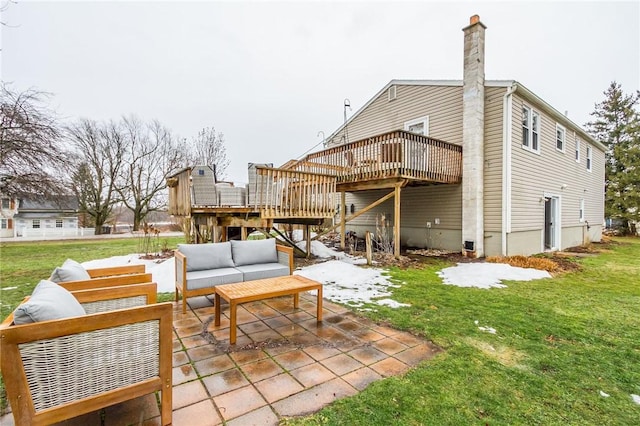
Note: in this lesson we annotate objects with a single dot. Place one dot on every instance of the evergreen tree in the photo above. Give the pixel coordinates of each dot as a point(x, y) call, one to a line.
point(617, 125)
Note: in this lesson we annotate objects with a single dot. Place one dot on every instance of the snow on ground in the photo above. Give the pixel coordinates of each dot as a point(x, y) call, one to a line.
point(344, 281)
point(347, 283)
point(635, 398)
point(487, 275)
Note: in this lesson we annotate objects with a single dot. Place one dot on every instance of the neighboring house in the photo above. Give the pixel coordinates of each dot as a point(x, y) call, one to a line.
point(8, 209)
point(36, 218)
point(532, 180)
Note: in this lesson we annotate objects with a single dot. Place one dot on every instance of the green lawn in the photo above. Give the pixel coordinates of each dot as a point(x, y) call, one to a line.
point(24, 264)
point(559, 342)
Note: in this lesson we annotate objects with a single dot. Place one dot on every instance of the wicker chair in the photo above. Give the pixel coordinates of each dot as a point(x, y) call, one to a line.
point(111, 276)
point(59, 369)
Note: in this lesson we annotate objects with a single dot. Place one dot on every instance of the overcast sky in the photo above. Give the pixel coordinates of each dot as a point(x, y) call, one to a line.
point(272, 75)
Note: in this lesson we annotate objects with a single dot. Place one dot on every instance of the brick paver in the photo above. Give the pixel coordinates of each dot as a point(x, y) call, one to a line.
point(283, 364)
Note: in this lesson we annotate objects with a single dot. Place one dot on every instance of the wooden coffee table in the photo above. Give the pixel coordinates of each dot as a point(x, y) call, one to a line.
point(267, 288)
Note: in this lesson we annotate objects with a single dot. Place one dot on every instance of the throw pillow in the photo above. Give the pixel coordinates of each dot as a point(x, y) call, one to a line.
point(252, 252)
point(69, 271)
point(207, 256)
point(48, 301)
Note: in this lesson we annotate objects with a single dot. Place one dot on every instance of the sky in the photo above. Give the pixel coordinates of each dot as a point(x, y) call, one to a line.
point(272, 76)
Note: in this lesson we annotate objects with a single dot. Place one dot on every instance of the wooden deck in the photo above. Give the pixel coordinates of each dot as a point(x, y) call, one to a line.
point(305, 192)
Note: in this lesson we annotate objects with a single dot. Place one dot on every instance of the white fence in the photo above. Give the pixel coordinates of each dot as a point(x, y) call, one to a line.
point(25, 232)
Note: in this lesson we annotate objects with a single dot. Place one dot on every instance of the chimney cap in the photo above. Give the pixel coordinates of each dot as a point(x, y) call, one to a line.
point(473, 21)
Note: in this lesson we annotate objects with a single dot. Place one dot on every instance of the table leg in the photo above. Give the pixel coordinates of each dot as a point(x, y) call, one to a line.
point(296, 300)
point(319, 313)
point(217, 309)
point(232, 330)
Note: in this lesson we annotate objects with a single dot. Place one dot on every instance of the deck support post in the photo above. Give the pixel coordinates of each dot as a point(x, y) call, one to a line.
point(307, 238)
point(343, 220)
point(396, 223)
point(243, 233)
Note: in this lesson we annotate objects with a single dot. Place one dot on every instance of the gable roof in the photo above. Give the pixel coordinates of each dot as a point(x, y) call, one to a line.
point(60, 204)
point(513, 84)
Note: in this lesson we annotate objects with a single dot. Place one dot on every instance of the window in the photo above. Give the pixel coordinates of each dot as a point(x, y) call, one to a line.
point(58, 223)
point(577, 150)
point(4, 224)
point(419, 126)
point(392, 93)
point(35, 224)
point(530, 129)
point(588, 158)
point(582, 210)
point(6, 203)
point(560, 134)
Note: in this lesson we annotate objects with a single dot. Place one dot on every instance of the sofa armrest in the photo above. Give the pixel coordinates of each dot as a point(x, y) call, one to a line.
point(54, 370)
point(113, 298)
point(181, 269)
point(116, 270)
point(112, 281)
point(285, 256)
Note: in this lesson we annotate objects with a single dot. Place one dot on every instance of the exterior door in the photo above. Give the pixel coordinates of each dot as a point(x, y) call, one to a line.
point(551, 223)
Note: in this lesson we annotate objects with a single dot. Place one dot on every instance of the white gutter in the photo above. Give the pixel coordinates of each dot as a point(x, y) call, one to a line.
point(507, 101)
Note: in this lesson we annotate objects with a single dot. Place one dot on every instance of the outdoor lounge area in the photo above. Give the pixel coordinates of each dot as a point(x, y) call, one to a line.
point(284, 363)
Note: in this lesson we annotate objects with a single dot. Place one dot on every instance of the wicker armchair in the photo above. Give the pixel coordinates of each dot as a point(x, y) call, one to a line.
point(111, 276)
point(59, 369)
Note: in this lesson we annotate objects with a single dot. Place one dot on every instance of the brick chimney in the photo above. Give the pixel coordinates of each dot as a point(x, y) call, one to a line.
point(473, 140)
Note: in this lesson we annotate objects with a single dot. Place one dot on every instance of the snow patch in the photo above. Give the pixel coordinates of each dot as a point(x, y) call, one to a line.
point(635, 398)
point(487, 275)
point(604, 394)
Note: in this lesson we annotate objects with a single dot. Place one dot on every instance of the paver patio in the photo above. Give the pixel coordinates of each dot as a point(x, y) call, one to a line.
point(283, 364)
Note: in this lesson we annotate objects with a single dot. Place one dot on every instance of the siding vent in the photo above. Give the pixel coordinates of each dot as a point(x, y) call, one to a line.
point(392, 93)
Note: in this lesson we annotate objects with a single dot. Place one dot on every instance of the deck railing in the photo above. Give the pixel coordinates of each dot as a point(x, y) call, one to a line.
point(398, 154)
point(294, 194)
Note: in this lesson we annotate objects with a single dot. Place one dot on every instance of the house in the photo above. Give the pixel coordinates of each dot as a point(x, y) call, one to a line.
point(46, 218)
point(532, 180)
point(8, 209)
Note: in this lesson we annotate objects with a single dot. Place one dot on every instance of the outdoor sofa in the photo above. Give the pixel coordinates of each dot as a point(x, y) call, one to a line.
point(201, 267)
point(64, 354)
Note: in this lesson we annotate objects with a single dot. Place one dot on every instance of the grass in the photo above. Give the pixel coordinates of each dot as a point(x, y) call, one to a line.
point(24, 264)
point(559, 342)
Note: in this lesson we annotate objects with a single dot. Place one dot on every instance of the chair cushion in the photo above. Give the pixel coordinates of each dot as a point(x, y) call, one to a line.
point(69, 271)
point(263, 270)
point(251, 252)
point(212, 277)
point(48, 301)
point(207, 256)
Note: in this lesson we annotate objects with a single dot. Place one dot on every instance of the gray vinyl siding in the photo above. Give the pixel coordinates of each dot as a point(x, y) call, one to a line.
point(546, 172)
point(443, 105)
point(418, 205)
point(493, 136)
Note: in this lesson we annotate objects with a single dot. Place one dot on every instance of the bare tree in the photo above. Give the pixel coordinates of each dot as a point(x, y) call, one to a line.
point(31, 156)
point(151, 155)
point(208, 149)
point(99, 150)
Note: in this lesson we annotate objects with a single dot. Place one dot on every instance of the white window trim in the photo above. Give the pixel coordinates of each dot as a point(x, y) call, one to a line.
point(581, 214)
point(4, 223)
point(424, 120)
point(564, 137)
point(530, 113)
point(589, 158)
point(577, 150)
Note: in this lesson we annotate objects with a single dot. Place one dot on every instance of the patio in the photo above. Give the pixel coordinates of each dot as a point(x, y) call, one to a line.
point(284, 364)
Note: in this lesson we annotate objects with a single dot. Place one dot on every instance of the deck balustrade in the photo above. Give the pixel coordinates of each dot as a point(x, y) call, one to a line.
point(396, 154)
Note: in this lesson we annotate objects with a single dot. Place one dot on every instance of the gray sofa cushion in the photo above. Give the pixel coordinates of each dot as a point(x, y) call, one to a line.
point(212, 277)
point(49, 301)
point(252, 252)
point(69, 271)
point(207, 256)
point(263, 270)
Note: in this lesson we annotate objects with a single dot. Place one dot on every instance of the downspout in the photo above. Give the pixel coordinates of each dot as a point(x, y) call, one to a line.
point(507, 121)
